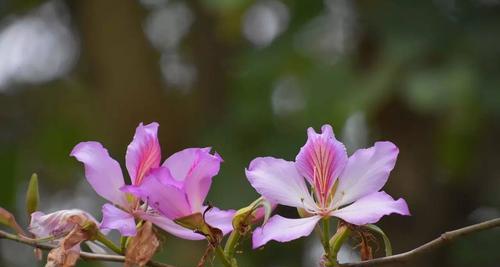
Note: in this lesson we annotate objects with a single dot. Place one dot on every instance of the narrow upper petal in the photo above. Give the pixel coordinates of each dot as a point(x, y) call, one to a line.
point(143, 153)
point(279, 181)
point(366, 172)
point(371, 208)
point(194, 168)
point(221, 219)
point(102, 172)
point(321, 160)
point(115, 218)
point(165, 197)
point(283, 230)
point(170, 226)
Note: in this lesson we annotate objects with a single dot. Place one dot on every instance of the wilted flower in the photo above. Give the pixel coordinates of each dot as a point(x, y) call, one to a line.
point(57, 224)
point(67, 229)
point(347, 188)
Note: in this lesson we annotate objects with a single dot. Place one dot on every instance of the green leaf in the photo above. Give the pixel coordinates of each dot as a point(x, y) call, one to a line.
point(32, 195)
point(387, 242)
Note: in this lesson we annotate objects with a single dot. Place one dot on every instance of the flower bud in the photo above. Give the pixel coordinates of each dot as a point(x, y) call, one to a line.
point(32, 195)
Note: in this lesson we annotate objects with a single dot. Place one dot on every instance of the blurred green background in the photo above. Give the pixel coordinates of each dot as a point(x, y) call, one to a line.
point(247, 78)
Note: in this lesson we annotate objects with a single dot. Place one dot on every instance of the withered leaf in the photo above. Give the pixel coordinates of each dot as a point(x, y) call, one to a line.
point(142, 246)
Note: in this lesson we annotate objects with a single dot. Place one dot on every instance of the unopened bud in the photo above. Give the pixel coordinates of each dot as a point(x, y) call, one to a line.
point(32, 195)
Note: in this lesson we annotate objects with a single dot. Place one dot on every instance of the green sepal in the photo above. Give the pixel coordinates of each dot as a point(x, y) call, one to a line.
point(387, 242)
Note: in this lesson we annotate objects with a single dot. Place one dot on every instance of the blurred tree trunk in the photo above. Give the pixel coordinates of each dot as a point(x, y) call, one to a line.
point(127, 85)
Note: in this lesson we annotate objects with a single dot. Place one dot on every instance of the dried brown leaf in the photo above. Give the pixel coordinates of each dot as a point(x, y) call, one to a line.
point(142, 246)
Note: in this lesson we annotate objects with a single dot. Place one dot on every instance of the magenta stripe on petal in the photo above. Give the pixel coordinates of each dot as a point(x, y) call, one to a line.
point(321, 160)
point(143, 153)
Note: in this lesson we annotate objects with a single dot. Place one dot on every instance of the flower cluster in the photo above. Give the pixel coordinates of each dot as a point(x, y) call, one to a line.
point(322, 182)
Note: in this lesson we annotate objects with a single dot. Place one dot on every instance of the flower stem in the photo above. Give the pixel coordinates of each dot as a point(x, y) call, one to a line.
point(325, 236)
point(108, 243)
point(222, 257)
point(232, 243)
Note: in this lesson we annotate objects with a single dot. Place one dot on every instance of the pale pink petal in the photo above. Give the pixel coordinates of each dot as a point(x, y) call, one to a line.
point(366, 172)
point(164, 197)
point(102, 172)
point(115, 218)
point(283, 229)
point(143, 153)
point(195, 168)
point(221, 219)
point(170, 226)
point(321, 160)
point(371, 208)
point(279, 181)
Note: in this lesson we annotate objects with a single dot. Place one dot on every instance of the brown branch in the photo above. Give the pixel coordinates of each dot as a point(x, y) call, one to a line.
point(445, 238)
point(83, 255)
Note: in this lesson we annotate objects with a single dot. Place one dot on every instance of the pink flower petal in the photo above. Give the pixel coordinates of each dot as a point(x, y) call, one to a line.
point(221, 219)
point(115, 218)
point(102, 172)
point(165, 197)
point(143, 153)
point(279, 181)
point(366, 172)
point(371, 208)
point(321, 160)
point(195, 168)
point(170, 226)
point(283, 230)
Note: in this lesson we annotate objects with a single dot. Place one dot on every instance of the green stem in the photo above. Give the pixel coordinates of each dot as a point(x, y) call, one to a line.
point(325, 236)
point(108, 243)
point(232, 243)
point(222, 257)
point(123, 243)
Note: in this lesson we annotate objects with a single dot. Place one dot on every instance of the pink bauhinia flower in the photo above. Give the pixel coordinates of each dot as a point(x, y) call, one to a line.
point(179, 188)
point(142, 160)
point(346, 188)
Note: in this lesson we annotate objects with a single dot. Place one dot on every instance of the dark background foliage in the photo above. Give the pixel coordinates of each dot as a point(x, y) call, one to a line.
point(247, 78)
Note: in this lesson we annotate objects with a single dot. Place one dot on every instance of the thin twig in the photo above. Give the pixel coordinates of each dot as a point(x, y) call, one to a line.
point(83, 255)
point(398, 258)
point(445, 238)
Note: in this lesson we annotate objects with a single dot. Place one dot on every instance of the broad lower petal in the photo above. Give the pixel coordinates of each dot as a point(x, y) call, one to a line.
point(171, 227)
point(366, 172)
point(143, 153)
point(102, 172)
point(321, 159)
point(283, 229)
point(115, 218)
point(195, 168)
point(371, 208)
point(279, 181)
point(165, 197)
point(221, 219)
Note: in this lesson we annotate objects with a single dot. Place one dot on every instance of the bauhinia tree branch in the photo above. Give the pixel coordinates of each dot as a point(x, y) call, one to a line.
point(445, 238)
point(83, 255)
